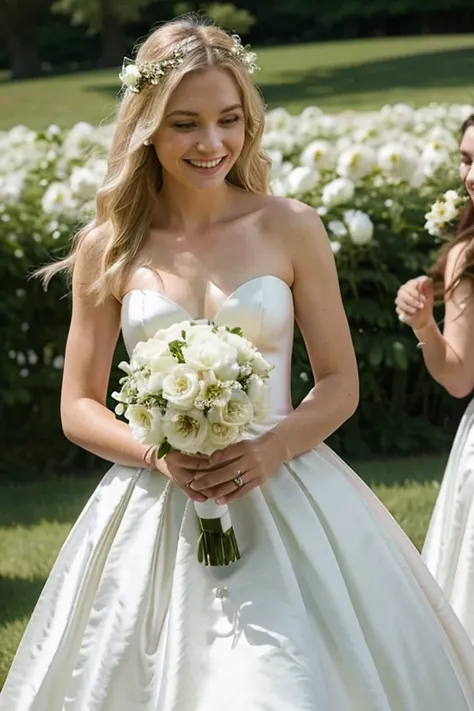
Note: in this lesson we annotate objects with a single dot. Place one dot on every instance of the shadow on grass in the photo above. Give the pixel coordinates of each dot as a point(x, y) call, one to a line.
point(29, 504)
point(441, 69)
point(399, 472)
point(18, 597)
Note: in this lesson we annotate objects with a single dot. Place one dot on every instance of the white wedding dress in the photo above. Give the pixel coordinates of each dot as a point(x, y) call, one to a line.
point(449, 546)
point(330, 608)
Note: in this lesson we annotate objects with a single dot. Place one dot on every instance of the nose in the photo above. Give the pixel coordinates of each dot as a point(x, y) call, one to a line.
point(210, 140)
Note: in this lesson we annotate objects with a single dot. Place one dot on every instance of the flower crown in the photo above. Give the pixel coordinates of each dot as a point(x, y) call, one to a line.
point(135, 74)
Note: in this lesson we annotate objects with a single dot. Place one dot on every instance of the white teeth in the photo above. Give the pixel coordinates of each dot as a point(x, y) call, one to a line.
point(206, 163)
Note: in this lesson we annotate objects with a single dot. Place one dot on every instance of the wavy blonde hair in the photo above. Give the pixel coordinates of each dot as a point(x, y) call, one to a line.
point(125, 201)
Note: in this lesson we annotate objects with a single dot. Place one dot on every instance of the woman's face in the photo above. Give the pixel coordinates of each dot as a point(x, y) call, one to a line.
point(203, 130)
point(466, 169)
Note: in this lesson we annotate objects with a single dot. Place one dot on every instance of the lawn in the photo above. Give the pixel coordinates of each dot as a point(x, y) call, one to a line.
point(36, 518)
point(356, 74)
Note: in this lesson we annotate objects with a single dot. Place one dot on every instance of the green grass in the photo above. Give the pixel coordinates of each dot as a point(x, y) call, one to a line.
point(36, 518)
point(356, 74)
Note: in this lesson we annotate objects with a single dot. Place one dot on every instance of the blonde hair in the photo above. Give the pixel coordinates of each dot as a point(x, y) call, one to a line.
point(125, 201)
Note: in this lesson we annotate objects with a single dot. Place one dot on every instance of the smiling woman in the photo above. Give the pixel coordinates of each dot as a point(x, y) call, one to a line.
point(329, 607)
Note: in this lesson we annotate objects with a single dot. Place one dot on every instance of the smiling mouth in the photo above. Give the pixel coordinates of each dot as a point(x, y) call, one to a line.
point(205, 164)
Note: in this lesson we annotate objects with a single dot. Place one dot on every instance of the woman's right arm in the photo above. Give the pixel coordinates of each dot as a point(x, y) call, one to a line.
point(90, 347)
point(448, 356)
point(91, 342)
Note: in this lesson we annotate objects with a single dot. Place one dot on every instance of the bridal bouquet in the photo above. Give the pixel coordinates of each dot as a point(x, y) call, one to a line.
point(196, 388)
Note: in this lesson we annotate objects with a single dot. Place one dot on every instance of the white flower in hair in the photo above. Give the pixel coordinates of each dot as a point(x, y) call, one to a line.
point(130, 77)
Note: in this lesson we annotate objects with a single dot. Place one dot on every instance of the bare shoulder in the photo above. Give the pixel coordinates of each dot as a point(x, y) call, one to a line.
point(297, 226)
point(89, 256)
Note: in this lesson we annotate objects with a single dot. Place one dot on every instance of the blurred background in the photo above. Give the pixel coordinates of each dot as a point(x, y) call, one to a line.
point(365, 101)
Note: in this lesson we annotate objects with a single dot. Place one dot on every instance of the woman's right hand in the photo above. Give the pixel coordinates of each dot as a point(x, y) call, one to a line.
point(414, 302)
point(182, 468)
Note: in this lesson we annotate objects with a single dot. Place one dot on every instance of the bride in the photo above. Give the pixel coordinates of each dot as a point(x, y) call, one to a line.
point(330, 607)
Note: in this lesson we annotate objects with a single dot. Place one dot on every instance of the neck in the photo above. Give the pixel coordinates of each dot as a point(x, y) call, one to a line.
point(187, 210)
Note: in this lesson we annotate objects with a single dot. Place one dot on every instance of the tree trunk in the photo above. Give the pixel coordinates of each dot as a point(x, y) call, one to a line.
point(113, 40)
point(23, 52)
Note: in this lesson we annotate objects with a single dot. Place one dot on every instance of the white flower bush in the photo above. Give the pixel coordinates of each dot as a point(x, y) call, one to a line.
point(384, 182)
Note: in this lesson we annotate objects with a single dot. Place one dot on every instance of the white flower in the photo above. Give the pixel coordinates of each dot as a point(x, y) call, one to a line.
point(185, 431)
point(219, 436)
point(145, 423)
point(130, 76)
point(58, 200)
point(318, 154)
point(244, 349)
point(213, 354)
point(338, 192)
point(237, 411)
point(337, 228)
point(398, 161)
point(257, 392)
point(360, 226)
point(335, 246)
point(85, 182)
point(180, 387)
point(260, 366)
point(357, 162)
point(302, 180)
point(58, 362)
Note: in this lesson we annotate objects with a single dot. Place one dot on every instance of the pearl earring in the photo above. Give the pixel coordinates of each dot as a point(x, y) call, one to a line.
point(147, 142)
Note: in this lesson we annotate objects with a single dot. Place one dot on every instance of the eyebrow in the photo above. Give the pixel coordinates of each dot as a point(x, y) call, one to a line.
point(183, 112)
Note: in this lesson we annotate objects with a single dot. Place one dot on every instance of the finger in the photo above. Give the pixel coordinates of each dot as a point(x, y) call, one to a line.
point(424, 284)
point(218, 476)
point(228, 487)
point(238, 493)
point(410, 298)
point(192, 463)
point(226, 455)
point(194, 495)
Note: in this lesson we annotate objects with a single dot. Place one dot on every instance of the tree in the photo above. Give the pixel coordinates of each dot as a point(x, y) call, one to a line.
point(19, 29)
point(225, 15)
point(106, 17)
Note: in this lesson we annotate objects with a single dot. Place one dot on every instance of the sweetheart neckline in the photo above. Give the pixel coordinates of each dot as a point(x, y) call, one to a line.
point(221, 307)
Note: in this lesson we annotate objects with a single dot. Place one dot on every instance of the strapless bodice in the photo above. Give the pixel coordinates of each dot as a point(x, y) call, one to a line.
point(262, 307)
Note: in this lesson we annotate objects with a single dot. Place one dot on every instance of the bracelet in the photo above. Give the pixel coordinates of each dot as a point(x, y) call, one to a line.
point(149, 457)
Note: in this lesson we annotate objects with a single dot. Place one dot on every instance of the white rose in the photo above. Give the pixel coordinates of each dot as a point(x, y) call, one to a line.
point(357, 162)
point(245, 350)
point(257, 392)
point(130, 76)
point(361, 228)
point(337, 228)
point(84, 183)
point(59, 200)
point(318, 154)
point(302, 180)
point(237, 411)
point(398, 161)
point(185, 431)
point(213, 354)
point(212, 392)
point(338, 192)
point(145, 424)
point(151, 354)
point(180, 387)
point(260, 366)
point(220, 436)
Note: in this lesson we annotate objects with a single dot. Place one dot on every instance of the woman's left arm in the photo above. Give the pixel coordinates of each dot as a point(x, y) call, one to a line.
point(322, 320)
point(333, 399)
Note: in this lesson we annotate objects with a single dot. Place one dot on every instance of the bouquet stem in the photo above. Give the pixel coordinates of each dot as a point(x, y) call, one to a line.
point(217, 544)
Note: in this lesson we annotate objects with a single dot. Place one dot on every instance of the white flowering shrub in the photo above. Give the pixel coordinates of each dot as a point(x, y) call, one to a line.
point(383, 183)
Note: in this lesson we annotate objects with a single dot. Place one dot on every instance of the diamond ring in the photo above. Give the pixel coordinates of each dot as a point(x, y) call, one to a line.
point(238, 481)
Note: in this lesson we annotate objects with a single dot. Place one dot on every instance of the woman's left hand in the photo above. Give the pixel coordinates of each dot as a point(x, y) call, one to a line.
point(239, 468)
